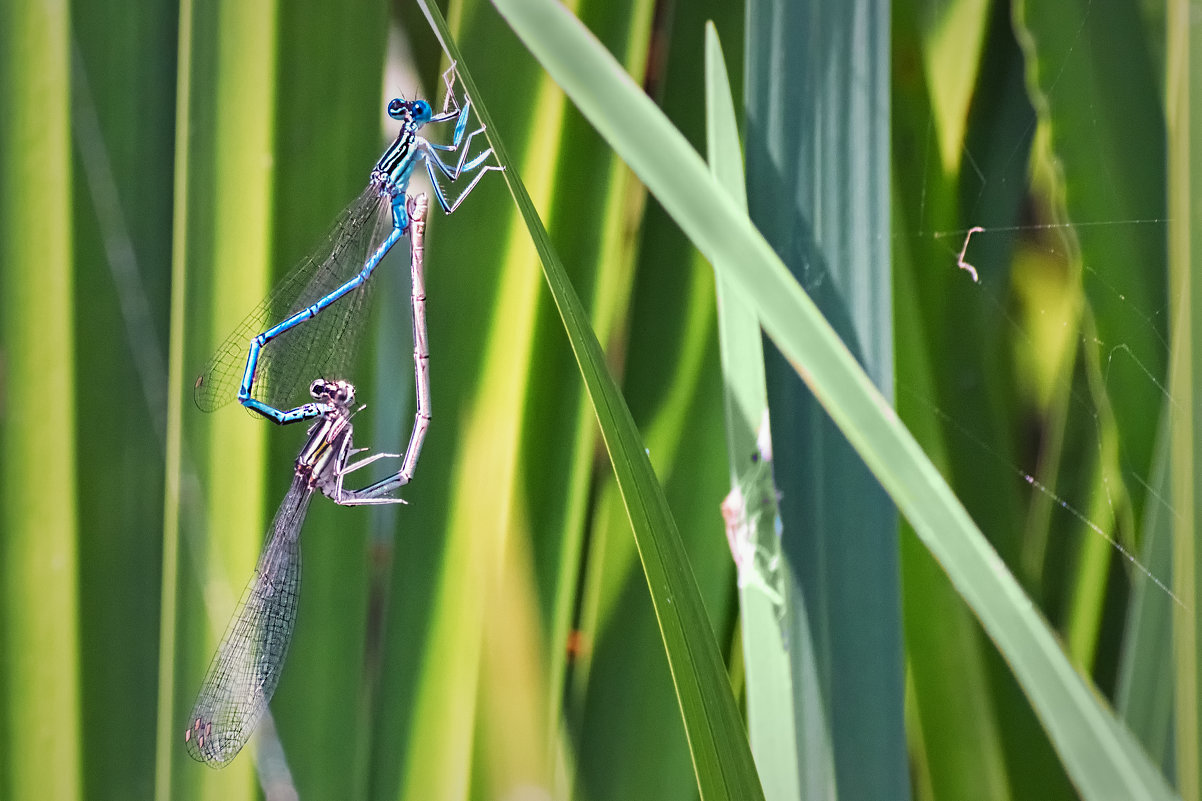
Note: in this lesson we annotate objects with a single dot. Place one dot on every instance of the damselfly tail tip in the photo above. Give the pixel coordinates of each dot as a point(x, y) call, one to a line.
point(205, 746)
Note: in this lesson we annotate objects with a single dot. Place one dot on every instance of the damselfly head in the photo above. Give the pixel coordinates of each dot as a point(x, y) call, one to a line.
point(339, 393)
point(418, 111)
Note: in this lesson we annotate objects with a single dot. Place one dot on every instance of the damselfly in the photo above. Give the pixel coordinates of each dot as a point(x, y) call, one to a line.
point(328, 290)
point(246, 670)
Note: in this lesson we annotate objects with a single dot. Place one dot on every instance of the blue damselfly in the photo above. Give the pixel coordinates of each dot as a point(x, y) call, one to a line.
point(328, 289)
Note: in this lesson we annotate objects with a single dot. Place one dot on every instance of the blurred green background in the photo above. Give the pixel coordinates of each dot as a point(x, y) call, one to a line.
point(162, 164)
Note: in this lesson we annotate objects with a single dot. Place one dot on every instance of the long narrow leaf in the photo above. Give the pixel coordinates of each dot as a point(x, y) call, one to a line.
point(1144, 695)
point(766, 606)
point(1185, 252)
point(818, 189)
point(213, 516)
point(121, 93)
point(40, 714)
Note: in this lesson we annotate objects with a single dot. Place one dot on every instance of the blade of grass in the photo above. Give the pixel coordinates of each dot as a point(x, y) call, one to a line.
point(818, 184)
point(1144, 690)
point(40, 715)
point(1099, 755)
point(123, 85)
point(721, 756)
point(214, 510)
point(1184, 95)
point(164, 766)
point(766, 607)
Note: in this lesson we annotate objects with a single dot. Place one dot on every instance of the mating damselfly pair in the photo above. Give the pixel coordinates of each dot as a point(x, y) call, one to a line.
point(320, 308)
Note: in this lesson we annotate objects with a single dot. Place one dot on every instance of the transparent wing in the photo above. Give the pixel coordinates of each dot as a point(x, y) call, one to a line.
point(322, 347)
point(246, 670)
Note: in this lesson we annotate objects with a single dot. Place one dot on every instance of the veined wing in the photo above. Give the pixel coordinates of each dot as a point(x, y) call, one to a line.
point(246, 670)
point(321, 347)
